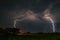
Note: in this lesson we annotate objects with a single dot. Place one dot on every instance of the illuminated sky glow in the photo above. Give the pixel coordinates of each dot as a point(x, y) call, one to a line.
point(32, 15)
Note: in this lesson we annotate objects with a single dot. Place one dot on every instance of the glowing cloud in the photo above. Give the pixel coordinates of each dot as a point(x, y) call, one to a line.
point(31, 16)
point(28, 15)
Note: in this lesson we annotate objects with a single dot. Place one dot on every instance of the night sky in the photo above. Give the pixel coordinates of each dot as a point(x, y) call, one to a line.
point(12, 8)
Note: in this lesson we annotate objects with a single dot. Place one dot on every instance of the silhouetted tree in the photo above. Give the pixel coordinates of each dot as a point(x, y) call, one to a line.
point(28, 32)
point(12, 30)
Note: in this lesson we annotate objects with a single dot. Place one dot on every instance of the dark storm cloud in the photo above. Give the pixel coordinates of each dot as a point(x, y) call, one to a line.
point(11, 8)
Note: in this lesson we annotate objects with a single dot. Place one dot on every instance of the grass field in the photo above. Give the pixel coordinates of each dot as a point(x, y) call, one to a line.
point(31, 37)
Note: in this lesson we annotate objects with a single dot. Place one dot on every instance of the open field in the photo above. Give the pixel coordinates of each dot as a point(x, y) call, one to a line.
point(46, 36)
point(11, 34)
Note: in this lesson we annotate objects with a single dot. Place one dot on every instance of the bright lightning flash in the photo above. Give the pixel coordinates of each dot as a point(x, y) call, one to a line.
point(49, 18)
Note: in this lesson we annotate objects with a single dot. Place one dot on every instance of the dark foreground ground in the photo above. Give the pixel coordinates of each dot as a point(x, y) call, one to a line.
point(41, 36)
